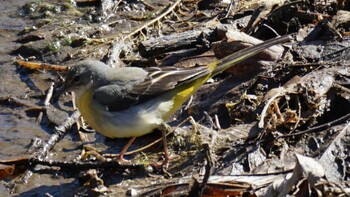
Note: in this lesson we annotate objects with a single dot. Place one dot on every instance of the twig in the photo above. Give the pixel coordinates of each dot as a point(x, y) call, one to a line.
point(148, 145)
point(249, 28)
point(35, 65)
point(266, 107)
point(271, 29)
point(111, 38)
point(196, 189)
point(189, 103)
point(208, 167)
point(166, 12)
point(17, 101)
point(317, 128)
point(46, 102)
point(59, 132)
point(85, 165)
point(310, 130)
point(70, 165)
point(217, 122)
point(148, 6)
point(229, 9)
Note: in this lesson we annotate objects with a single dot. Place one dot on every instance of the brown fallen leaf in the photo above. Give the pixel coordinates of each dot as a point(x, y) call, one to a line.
point(234, 41)
point(6, 171)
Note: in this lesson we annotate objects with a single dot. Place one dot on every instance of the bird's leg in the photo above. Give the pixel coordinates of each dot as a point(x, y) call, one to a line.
point(121, 154)
point(164, 128)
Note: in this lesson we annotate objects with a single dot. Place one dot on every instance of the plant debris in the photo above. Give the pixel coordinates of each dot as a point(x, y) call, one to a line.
point(274, 125)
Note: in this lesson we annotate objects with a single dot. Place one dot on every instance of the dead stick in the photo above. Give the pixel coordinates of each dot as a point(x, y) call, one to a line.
point(36, 65)
point(59, 132)
point(46, 102)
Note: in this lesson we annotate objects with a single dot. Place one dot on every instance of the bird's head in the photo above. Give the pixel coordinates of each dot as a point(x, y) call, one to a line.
point(81, 77)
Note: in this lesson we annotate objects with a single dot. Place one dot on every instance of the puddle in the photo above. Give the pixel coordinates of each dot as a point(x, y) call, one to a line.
point(8, 13)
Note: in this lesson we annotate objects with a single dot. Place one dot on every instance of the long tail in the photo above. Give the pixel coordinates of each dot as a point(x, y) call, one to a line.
point(246, 53)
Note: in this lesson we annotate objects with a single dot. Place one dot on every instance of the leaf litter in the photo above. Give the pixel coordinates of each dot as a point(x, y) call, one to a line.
point(274, 125)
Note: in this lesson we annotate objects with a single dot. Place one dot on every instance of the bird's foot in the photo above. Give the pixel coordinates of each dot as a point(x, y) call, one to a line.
point(89, 152)
point(165, 163)
point(161, 164)
point(121, 159)
point(162, 167)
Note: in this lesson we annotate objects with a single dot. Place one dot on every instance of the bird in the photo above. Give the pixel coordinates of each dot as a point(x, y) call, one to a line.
point(129, 102)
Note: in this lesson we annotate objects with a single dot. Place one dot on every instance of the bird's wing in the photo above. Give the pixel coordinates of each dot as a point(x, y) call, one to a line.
point(160, 80)
point(116, 96)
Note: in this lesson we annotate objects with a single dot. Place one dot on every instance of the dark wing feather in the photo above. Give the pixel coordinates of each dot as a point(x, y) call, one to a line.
point(114, 97)
point(159, 80)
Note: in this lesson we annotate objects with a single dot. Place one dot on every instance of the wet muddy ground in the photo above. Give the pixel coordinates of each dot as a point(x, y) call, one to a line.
point(18, 128)
point(281, 112)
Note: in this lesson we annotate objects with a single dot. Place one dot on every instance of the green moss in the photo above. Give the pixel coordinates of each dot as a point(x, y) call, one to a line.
point(29, 8)
point(53, 46)
point(58, 43)
point(66, 41)
point(41, 9)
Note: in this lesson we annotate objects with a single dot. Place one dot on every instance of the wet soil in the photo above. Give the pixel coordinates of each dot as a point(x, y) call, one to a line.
point(226, 139)
point(18, 129)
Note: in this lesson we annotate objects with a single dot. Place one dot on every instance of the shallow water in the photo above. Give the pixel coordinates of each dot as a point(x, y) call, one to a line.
point(17, 130)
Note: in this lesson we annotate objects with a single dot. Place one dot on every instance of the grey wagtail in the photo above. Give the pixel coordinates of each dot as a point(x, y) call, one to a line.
point(131, 101)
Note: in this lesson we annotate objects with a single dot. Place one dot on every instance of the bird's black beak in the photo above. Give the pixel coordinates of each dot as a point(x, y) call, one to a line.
point(59, 90)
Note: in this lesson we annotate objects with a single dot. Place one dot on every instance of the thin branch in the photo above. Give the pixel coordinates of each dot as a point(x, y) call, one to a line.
point(149, 23)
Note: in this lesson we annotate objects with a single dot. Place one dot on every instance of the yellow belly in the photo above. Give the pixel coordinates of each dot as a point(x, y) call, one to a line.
point(133, 122)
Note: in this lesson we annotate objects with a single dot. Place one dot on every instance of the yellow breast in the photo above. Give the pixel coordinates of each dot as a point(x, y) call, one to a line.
point(84, 104)
point(132, 122)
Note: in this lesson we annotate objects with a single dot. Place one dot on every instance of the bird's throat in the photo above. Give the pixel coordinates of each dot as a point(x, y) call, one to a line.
point(86, 108)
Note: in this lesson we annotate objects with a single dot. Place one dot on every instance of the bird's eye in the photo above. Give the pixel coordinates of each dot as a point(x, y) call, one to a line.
point(76, 79)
